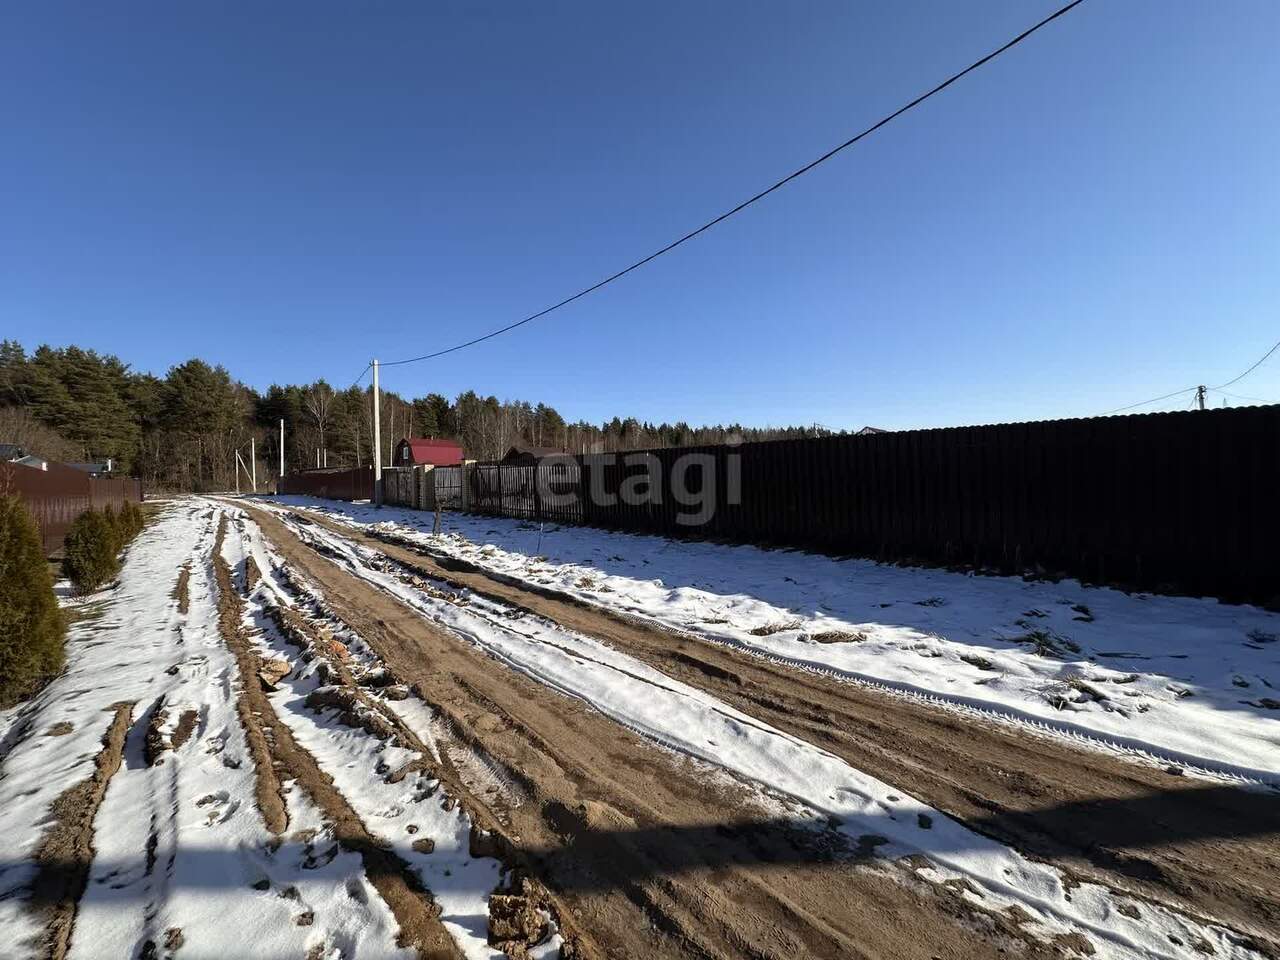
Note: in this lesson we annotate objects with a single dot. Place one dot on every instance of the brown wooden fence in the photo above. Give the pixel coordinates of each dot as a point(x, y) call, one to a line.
point(57, 495)
point(1187, 502)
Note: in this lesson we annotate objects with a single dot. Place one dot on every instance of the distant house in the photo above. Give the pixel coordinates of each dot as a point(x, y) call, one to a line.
point(418, 451)
point(94, 469)
point(12, 453)
point(527, 455)
point(869, 431)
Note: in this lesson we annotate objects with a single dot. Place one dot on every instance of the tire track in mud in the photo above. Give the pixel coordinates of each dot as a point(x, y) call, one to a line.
point(656, 855)
point(1204, 850)
point(275, 752)
point(516, 906)
point(64, 857)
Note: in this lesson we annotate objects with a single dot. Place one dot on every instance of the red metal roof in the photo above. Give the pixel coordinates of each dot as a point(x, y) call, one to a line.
point(440, 453)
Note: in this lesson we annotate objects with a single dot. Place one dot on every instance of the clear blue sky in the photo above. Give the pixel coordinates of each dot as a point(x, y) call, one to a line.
point(290, 189)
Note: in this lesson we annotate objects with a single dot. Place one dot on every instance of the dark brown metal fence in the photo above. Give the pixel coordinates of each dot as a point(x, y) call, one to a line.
point(1186, 502)
point(355, 483)
point(549, 491)
point(57, 495)
point(448, 487)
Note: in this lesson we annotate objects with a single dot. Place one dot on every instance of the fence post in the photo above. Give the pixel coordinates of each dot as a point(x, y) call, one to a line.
point(465, 473)
point(427, 488)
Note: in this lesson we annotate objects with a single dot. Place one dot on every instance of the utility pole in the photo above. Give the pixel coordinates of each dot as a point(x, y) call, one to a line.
point(240, 466)
point(253, 462)
point(1200, 396)
point(377, 442)
point(282, 448)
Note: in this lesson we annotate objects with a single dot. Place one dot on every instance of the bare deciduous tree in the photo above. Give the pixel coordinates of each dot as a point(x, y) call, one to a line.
point(319, 401)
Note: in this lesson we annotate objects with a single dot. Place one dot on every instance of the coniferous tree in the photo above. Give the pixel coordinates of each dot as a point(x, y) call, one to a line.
point(31, 625)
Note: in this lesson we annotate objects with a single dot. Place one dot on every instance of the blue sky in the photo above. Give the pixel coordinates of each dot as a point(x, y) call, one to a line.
point(289, 190)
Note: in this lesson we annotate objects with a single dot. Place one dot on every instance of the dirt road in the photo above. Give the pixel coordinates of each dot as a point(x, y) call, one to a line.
point(364, 751)
point(633, 838)
point(1211, 849)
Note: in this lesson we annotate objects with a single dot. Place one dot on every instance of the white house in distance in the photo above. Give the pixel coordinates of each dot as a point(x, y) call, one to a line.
point(95, 469)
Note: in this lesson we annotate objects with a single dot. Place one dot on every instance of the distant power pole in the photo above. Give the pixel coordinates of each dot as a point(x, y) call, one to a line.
point(377, 441)
point(253, 463)
point(1200, 396)
point(282, 448)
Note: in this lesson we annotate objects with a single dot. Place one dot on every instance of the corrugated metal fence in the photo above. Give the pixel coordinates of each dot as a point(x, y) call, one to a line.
point(57, 495)
point(355, 483)
point(1185, 502)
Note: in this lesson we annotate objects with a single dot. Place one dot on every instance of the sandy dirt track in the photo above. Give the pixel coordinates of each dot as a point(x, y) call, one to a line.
point(635, 839)
point(276, 755)
point(1208, 848)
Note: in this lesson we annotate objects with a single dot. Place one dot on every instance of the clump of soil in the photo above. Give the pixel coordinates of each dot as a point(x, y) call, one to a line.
point(153, 745)
point(838, 636)
point(186, 726)
point(182, 589)
point(516, 920)
point(156, 744)
point(251, 574)
point(272, 672)
point(1046, 643)
point(351, 710)
point(769, 629)
point(1075, 943)
point(1091, 692)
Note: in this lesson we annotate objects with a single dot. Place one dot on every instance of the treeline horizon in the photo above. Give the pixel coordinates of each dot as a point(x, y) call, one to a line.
point(182, 431)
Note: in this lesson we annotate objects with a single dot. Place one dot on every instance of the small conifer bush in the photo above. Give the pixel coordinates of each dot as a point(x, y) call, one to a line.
point(32, 627)
point(90, 551)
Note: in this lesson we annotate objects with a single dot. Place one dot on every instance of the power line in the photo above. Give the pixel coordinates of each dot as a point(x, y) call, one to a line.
point(366, 369)
point(759, 196)
point(1143, 403)
point(1263, 359)
point(1236, 396)
point(1265, 356)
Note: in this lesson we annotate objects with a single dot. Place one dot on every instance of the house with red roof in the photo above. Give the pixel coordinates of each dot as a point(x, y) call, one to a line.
point(419, 451)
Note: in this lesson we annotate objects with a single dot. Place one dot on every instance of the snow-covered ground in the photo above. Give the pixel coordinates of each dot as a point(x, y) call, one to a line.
point(182, 856)
point(1192, 681)
point(865, 809)
point(179, 844)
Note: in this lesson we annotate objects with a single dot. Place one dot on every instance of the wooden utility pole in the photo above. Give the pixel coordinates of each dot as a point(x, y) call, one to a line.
point(1200, 396)
point(282, 448)
point(253, 463)
point(377, 441)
